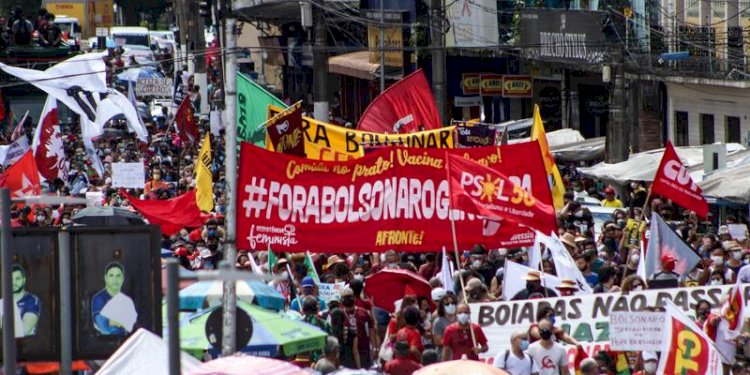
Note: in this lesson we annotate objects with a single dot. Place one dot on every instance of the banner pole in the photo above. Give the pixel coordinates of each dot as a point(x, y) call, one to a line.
point(455, 246)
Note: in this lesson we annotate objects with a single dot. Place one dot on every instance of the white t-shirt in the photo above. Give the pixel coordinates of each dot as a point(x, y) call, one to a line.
point(549, 361)
point(515, 365)
point(744, 274)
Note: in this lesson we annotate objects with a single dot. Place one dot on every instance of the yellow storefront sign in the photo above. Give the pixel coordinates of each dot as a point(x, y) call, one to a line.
point(394, 44)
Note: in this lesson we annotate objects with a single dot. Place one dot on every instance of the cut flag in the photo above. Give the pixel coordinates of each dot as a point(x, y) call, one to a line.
point(250, 97)
point(665, 242)
point(405, 107)
point(204, 177)
point(686, 349)
point(733, 312)
point(170, 214)
point(478, 189)
point(553, 174)
point(184, 120)
point(673, 181)
point(49, 151)
point(22, 178)
point(285, 133)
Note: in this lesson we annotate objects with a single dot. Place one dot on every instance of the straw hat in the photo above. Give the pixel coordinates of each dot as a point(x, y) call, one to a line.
point(569, 239)
point(333, 259)
point(567, 284)
point(533, 276)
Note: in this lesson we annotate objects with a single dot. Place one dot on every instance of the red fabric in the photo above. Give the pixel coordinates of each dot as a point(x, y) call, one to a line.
point(459, 340)
point(297, 205)
point(361, 322)
point(405, 107)
point(171, 214)
point(412, 336)
point(285, 131)
point(3, 111)
point(489, 193)
point(401, 366)
point(22, 178)
point(48, 152)
point(185, 120)
point(390, 285)
point(580, 356)
point(673, 181)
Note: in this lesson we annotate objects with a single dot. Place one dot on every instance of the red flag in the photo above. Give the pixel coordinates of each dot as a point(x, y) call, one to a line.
point(49, 152)
point(733, 310)
point(171, 214)
point(22, 178)
point(285, 131)
point(184, 119)
point(686, 348)
point(482, 190)
point(672, 180)
point(407, 106)
point(580, 356)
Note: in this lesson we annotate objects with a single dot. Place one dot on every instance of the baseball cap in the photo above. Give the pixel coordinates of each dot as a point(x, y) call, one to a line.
point(437, 294)
point(307, 281)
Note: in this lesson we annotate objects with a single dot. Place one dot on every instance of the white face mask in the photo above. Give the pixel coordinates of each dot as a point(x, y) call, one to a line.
point(450, 309)
point(716, 282)
point(392, 265)
point(725, 245)
point(463, 318)
point(359, 277)
point(650, 367)
point(638, 288)
point(578, 213)
point(476, 263)
point(633, 185)
point(717, 260)
point(283, 276)
point(502, 252)
point(635, 258)
point(737, 255)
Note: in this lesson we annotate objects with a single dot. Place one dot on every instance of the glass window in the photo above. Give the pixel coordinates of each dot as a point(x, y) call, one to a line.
point(681, 128)
point(707, 129)
point(733, 129)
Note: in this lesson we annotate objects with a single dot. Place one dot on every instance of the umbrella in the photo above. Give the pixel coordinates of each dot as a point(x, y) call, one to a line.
point(244, 364)
point(105, 216)
point(389, 285)
point(268, 331)
point(461, 366)
point(134, 74)
point(209, 294)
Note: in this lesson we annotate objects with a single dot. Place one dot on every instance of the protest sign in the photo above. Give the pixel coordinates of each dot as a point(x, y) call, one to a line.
point(585, 318)
point(128, 175)
point(94, 198)
point(636, 330)
point(475, 135)
point(738, 231)
point(326, 291)
point(393, 198)
point(161, 87)
point(14, 151)
point(330, 142)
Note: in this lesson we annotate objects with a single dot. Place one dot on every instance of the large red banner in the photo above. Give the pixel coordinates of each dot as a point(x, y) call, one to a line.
point(393, 198)
point(673, 181)
point(487, 192)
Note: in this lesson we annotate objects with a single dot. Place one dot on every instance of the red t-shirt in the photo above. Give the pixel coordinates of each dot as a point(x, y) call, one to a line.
point(359, 320)
point(363, 303)
point(411, 336)
point(401, 366)
point(459, 340)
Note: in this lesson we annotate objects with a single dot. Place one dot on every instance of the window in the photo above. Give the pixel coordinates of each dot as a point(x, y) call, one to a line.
point(707, 129)
point(681, 128)
point(732, 129)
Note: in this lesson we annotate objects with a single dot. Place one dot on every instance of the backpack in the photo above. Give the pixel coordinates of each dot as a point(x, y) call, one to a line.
point(507, 354)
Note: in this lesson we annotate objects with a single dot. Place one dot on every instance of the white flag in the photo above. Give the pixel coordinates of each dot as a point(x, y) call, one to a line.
point(686, 348)
point(446, 272)
point(515, 273)
point(565, 266)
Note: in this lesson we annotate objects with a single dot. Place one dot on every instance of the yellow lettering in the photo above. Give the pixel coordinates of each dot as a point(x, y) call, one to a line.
point(688, 347)
point(293, 169)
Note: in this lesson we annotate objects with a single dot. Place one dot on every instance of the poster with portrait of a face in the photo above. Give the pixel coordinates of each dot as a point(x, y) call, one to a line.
point(116, 287)
point(35, 284)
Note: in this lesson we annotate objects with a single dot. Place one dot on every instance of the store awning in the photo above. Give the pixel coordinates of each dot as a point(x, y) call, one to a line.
point(354, 64)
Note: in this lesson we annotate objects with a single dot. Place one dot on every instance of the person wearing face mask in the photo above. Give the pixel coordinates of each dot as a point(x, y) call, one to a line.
point(458, 339)
point(534, 288)
point(515, 360)
point(735, 262)
point(633, 283)
point(156, 182)
point(281, 281)
point(360, 324)
point(445, 316)
point(650, 363)
point(307, 286)
point(477, 292)
point(550, 357)
point(718, 263)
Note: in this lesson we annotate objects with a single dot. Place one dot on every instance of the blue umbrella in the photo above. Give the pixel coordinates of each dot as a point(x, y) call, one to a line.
point(205, 294)
point(134, 74)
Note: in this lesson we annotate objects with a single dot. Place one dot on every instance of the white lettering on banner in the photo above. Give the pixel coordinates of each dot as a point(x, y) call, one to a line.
point(271, 235)
point(675, 171)
point(585, 318)
point(634, 331)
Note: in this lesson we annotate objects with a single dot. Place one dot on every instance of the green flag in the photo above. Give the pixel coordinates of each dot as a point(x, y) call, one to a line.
point(271, 259)
point(311, 271)
point(252, 110)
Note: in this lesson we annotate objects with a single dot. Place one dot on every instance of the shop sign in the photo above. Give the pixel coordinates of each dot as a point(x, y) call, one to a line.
point(470, 83)
point(491, 84)
point(517, 87)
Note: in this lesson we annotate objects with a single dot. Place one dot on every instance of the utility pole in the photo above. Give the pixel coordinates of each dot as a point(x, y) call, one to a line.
point(382, 45)
point(438, 57)
point(618, 134)
point(179, 9)
point(230, 245)
point(320, 65)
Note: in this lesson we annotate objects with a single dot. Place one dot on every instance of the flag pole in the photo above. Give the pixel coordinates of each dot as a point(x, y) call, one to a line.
point(455, 245)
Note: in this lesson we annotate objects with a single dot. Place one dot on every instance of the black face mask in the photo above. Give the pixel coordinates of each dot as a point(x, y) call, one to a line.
point(545, 333)
point(347, 301)
point(702, 313)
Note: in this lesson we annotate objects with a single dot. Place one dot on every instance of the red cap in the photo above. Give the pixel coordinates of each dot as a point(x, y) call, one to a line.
point(609, 190)
point(667, 258)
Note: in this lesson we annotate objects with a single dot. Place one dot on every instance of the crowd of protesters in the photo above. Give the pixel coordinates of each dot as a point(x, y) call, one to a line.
point(22, 30)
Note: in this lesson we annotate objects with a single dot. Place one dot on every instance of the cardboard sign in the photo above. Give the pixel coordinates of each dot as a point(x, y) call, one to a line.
point(94, 198)
point(128, 175)
point(636, 331)
point(738, 231)
point(154, 87)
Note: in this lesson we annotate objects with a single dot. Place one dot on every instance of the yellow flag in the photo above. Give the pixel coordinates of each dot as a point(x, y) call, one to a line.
point(204, 178)
point(553, 174)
